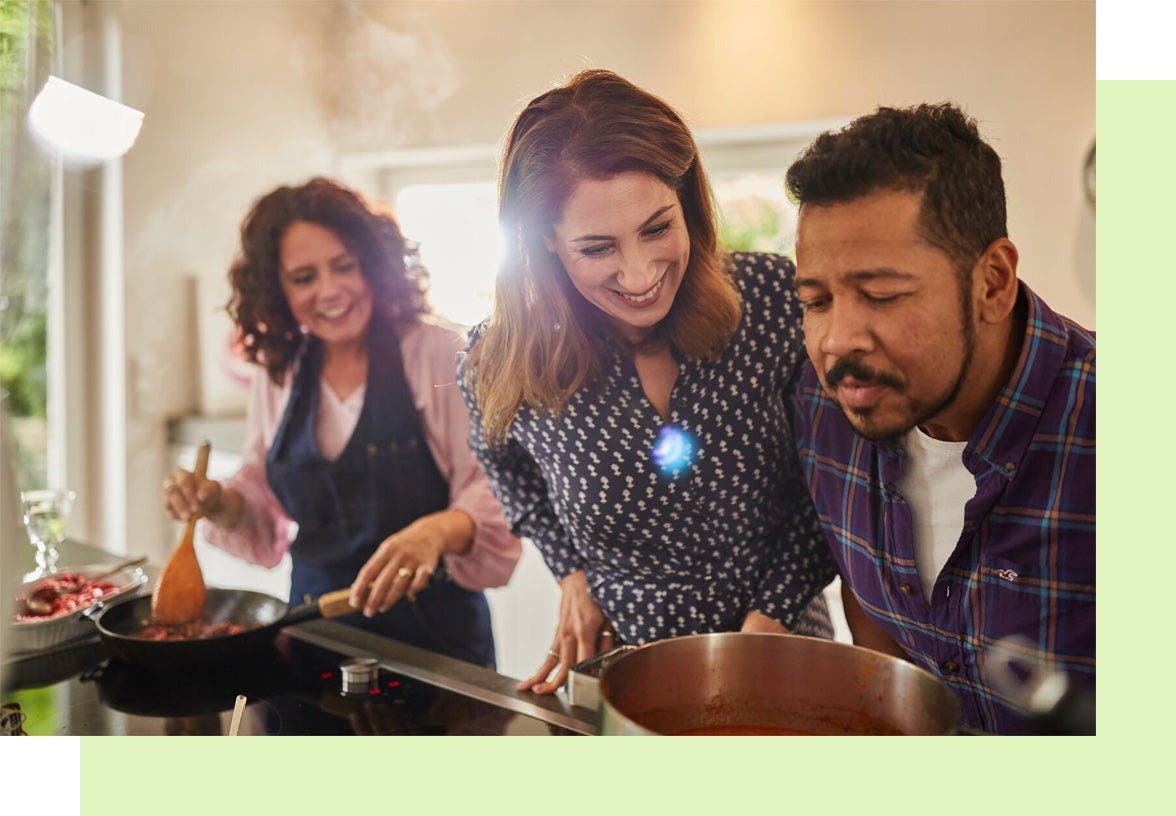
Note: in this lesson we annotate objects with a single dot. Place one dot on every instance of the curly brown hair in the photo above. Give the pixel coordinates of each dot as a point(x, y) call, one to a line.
point(542, 341)
point(389, 262)
point(933, 149)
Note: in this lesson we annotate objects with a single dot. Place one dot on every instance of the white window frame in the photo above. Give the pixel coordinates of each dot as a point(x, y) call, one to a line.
point(87, 405)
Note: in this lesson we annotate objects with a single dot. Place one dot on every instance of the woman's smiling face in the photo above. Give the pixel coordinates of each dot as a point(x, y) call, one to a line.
point(324, 285)
point(624, 243)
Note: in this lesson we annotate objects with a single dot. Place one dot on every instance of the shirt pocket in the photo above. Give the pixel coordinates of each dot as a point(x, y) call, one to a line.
point(1054, 609)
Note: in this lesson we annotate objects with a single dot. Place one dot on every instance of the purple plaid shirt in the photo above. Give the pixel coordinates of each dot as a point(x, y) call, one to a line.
point(1024, 563)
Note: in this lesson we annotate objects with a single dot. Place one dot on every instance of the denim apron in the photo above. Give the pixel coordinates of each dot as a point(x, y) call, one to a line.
point(384, 479)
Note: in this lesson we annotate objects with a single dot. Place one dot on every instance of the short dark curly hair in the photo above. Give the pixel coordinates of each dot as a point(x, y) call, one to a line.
point(933, 149)
point(258, 306)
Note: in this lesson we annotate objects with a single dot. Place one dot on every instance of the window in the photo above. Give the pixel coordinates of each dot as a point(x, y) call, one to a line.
point(27, 29)
point(456, 227)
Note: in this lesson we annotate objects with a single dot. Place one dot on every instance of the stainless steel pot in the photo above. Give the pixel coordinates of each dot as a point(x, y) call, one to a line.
point(743, 683)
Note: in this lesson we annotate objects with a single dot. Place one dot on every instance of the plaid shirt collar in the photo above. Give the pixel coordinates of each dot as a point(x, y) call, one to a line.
point(1002, 436)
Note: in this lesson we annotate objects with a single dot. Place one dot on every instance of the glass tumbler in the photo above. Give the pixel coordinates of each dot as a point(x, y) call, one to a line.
point(45, 513)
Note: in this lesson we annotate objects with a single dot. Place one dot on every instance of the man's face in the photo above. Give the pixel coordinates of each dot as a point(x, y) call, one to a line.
point(886, 323)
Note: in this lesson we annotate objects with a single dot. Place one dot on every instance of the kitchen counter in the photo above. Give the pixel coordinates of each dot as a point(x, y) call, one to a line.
point(291, 688)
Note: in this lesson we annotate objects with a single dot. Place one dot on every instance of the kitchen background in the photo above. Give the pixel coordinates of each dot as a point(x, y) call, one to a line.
point(408, 101)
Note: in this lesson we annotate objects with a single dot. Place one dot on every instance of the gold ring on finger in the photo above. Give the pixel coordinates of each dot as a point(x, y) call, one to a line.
point(553, 653)
point(403, 572)
point(168, 484)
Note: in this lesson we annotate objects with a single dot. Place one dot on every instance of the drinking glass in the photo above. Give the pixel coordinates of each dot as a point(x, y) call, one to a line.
point(45, 513)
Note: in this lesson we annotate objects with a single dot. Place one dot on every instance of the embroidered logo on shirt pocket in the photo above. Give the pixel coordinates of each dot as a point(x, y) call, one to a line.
point(1018, 599)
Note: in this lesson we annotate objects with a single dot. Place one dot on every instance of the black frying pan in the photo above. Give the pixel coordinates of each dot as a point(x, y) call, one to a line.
point(120, 623)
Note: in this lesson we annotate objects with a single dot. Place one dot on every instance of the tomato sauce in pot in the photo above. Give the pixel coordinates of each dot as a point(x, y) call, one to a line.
point(757, 721)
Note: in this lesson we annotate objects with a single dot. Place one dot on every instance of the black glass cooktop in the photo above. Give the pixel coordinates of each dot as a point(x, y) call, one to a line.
point(292, 688)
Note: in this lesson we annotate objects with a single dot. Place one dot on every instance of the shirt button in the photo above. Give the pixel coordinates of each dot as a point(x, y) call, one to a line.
point(905, 589)
point(950, 666)
point(1009, 467)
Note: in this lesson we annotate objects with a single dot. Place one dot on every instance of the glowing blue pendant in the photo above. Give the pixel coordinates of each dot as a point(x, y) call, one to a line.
point(673, 451)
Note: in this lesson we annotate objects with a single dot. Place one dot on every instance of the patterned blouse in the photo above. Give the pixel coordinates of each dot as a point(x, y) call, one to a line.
point(683, 526)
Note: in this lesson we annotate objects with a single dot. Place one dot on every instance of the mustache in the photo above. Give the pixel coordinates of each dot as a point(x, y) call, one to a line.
point(853, 367)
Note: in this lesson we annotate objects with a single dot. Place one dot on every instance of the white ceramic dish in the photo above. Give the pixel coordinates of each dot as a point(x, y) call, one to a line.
point(39, 635)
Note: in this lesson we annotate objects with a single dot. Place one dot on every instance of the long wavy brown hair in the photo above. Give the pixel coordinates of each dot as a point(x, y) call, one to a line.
point(544, 341)
point(270, 334)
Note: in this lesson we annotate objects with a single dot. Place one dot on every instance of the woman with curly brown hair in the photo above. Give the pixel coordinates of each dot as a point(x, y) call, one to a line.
point(356, 429)
point(628, 389)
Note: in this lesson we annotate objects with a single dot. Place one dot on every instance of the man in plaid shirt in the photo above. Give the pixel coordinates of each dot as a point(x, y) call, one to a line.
point(946, 422)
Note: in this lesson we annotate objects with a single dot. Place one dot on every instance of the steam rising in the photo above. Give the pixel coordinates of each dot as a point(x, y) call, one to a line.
point(381, 84)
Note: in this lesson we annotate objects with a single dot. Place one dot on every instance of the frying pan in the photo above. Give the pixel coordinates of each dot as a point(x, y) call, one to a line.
point(120, 623)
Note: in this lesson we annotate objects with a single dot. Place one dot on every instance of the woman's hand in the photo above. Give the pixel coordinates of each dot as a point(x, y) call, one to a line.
point(185, 496)
point(582, 632)
point(406, 560)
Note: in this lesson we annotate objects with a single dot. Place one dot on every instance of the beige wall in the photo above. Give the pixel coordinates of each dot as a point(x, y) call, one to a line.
point(230, 112)
point(1025, 70)
point(241, 96)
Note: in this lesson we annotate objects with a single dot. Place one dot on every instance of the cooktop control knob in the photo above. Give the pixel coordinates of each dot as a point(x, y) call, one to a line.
point(359, 676)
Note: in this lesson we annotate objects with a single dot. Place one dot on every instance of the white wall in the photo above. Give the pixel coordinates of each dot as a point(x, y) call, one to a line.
point(242, 96)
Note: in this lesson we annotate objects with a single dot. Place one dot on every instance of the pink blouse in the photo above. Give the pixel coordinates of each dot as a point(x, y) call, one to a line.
point(430, 359)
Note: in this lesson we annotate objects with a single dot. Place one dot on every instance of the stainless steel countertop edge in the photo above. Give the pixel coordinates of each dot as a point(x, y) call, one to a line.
point(454, 675)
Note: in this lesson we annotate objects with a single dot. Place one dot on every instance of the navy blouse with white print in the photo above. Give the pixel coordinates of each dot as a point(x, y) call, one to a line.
point(683, 526)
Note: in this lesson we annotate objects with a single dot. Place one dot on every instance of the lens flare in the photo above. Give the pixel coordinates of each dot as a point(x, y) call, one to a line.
point(80, 126)
point(673, 451)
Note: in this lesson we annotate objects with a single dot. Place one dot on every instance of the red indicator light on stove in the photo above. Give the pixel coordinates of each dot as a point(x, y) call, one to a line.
point(374, 691)
point(327, 675)
point(393, 683)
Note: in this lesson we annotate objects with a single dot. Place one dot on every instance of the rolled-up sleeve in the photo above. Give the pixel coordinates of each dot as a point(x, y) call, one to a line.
point(521, 490)
point(430, 354)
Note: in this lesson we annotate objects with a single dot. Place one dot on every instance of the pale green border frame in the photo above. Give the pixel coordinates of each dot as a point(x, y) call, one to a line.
point(1113, 772)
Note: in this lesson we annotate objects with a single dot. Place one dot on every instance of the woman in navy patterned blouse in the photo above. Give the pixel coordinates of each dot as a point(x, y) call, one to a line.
point(627, 391)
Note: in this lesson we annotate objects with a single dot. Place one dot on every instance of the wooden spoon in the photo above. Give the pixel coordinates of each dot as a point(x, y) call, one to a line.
point(179, 594)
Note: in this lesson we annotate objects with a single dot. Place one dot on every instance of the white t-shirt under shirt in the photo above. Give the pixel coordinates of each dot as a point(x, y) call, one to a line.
point(936, 485)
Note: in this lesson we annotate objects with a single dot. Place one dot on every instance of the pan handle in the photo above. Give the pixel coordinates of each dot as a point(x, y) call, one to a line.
point(336, 603)
point(330, 605)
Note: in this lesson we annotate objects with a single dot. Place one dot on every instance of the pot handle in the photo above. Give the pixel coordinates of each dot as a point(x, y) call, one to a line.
point(1052, 701)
